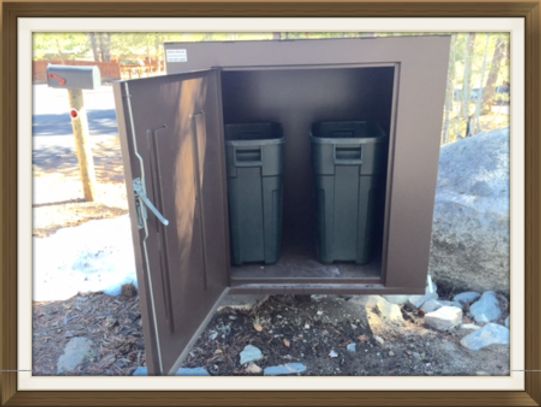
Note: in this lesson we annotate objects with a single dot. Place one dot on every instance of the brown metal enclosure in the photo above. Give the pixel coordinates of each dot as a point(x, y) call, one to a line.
point(398, 82)
point(173, 139)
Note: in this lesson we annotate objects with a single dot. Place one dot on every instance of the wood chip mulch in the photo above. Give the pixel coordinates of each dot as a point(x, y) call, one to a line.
point(113, 324)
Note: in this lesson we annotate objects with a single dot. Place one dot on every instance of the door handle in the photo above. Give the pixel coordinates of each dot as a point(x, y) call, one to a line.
point(143, 198)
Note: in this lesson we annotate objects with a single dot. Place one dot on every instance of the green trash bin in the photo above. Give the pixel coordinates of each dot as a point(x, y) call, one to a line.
point(255, 187)
point(349, 160)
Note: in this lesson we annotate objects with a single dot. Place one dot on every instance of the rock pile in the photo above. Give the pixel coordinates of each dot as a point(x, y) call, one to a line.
point(444, 315)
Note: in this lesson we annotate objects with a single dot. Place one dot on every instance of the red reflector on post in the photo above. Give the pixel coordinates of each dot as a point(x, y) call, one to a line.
point(74, 113)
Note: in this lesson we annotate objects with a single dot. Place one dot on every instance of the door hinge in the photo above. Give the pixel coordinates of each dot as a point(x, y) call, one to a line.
point(143, 202)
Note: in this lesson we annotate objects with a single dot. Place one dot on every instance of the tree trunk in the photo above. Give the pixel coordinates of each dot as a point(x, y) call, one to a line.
point(277, 36)
point(157, 54)
point(94, 46)
point(105, 47)
point(482, 88)
point(101, 46)
point(59, 50)
point(490, 88)
point(449, 97)
point(158, 41)
point(108, 42)
point(470, 41)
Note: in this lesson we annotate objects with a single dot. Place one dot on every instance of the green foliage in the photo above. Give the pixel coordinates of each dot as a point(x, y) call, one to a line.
point(60, 46)
point(479, 50)
point(124, 46)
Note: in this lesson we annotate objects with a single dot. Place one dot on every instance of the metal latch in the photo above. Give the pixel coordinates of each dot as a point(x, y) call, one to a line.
point(140, 192)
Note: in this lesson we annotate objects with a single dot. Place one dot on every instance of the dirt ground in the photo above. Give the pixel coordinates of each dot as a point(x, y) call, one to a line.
point(58, 193)
point(286, 329)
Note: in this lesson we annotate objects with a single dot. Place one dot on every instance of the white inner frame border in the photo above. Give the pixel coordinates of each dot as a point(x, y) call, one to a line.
point(27, 26)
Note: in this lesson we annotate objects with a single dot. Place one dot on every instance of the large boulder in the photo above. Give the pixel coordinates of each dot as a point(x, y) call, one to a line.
point(470, 234)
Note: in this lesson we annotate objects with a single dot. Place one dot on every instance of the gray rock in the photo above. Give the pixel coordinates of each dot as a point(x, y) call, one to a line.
point(379, 340)
point(507, 322)
point(431, 305)
point(470, 233)
point(451, 303)
point(397, 299)
point(417, 301)
point(486, 309)
point(444, 318)
point(466, 297)
point(490, 334)
point(76, 351)
point(183, 371)
point(140, 371)
point(249, 354)
point(431, 293)
point(252, 368)
point(285, 369)
point(386, 310)
point(351, 347)
point(192, 371)
point(469, 327)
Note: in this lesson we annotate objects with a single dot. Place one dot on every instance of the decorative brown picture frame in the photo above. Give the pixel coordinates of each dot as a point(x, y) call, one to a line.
point(530, 11)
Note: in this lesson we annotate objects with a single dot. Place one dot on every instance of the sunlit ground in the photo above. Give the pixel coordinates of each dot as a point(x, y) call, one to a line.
point(57, 190)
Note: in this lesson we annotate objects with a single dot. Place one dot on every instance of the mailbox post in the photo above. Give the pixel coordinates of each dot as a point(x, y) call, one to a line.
point(75, 79)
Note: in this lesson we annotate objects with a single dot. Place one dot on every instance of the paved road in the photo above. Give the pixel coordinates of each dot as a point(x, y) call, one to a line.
point(50, 111)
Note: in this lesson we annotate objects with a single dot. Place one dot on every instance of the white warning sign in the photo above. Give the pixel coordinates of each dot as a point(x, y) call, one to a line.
point(176, 55)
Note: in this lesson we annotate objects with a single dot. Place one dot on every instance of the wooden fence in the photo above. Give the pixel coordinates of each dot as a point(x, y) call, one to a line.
point(143, 68)
point(109, 71)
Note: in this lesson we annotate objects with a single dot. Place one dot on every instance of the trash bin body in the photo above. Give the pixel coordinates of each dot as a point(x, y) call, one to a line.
point(255, 188)
point(349, 164)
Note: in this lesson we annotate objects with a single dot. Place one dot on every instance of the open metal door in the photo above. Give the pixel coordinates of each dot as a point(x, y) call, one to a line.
point(171, 130)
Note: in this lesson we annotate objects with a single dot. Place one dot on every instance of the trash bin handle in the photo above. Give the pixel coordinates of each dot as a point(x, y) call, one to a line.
point(248, 156)
point(348, 154)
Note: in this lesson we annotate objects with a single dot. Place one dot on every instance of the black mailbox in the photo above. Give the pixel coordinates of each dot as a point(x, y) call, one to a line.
point(73, 77)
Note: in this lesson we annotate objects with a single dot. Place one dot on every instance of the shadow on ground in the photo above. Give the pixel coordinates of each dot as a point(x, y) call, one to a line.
point(61, 159)
point(58, 199)
point(99, 122)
